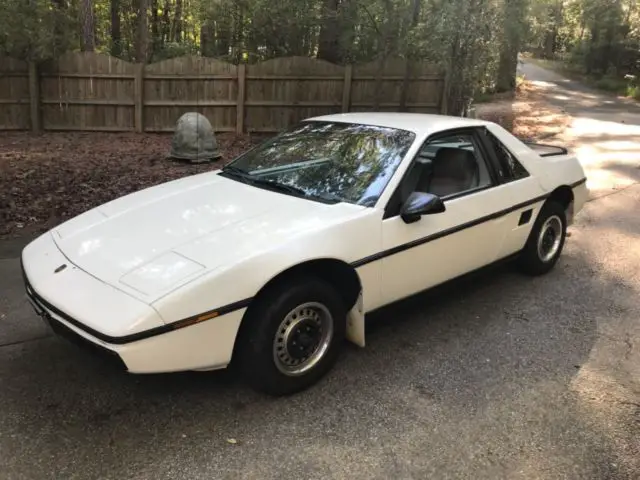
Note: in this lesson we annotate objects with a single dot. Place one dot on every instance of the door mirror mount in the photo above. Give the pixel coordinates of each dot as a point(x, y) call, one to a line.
point(419, 204)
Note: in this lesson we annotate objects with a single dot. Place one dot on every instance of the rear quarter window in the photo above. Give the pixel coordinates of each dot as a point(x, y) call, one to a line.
point(509, 168)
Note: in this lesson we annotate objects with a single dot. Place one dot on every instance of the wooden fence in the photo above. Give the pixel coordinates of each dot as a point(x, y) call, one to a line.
point(89, 91)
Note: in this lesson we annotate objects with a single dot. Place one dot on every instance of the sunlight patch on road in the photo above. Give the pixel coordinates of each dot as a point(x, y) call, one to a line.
point(621, 146)
point(542, 84)
point(606, 171)
point(600, 181)
point(607, 157)
point(584, 127)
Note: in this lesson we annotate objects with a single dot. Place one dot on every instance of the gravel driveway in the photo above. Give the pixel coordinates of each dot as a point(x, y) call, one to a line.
point(499, 377)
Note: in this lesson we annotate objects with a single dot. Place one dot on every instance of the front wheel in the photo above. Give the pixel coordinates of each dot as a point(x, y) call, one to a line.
point(546, 240)
point(292, 336)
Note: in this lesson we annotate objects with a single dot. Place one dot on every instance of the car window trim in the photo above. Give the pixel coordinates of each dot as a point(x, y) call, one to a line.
point(494, 158)
point(279, 135)
point(483, 153)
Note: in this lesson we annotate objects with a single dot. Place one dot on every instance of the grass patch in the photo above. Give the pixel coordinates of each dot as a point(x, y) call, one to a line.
point(633, 92)
point(610, 84)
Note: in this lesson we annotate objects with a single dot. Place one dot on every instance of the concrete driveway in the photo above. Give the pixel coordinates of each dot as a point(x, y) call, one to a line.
point(499, 377)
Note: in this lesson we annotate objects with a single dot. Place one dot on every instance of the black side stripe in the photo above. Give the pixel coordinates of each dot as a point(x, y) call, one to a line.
point(578, 183)
point(450, 231)
point(240, 304)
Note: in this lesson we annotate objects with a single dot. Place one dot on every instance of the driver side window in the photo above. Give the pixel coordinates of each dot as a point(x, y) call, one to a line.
point(448, 166)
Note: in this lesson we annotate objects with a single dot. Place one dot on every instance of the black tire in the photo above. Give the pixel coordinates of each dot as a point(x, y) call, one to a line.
point(531, 261)
point(261, 324)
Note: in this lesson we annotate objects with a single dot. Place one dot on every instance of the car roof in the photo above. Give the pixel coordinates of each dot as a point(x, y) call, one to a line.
point(419, 123)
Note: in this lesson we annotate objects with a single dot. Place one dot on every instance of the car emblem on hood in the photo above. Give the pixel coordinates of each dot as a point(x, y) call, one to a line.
point(60, 268)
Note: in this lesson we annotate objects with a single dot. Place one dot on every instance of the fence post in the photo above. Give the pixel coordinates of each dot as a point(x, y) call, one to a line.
point(404, 91)
point(139, 97)
point(34, 97)
point(346, 88)
point(444, 95)
point(242, 83)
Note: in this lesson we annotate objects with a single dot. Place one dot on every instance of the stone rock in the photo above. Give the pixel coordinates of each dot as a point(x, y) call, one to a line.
point(194, 140)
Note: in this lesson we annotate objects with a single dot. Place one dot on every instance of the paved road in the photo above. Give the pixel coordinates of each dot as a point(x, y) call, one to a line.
point(505, 377)
point(605, 130)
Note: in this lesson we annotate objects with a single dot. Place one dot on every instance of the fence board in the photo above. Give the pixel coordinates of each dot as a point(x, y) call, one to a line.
point(89, 91)
point(14, 94)
point(424, 86)
point(179, 85)
point(277, 97)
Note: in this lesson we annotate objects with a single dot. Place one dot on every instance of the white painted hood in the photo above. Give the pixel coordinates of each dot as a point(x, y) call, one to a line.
point(156, 240)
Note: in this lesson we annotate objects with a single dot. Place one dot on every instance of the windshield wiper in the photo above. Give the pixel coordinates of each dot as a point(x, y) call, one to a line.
point(234, 171)
point(275, 185)
point(283, 187)
point(238, 173)
point(327, 197)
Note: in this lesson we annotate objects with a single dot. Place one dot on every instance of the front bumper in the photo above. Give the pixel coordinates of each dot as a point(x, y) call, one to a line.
point(75, 305)
point(52, 318)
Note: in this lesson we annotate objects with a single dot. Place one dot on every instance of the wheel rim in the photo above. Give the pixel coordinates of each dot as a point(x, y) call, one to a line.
point(550, 238)
point(302, 339)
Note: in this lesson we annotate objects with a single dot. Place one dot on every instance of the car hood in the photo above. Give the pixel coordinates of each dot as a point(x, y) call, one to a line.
point(156, 240)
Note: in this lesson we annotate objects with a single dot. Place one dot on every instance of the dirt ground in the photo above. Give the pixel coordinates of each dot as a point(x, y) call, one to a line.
point(48, 178)
point(527, 116)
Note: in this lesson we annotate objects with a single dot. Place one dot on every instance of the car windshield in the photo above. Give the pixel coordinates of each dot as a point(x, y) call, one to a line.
point(330, 161)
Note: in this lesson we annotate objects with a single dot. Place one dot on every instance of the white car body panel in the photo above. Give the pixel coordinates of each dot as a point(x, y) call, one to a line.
point(96, 304)
point(475, 246)
point(185, 233)
point(163, 276)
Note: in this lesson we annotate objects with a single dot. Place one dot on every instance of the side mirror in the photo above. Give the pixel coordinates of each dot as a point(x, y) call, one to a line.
point(420, 203)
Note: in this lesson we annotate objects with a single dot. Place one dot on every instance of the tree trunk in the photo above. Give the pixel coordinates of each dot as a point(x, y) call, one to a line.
point(507, 70)
point(551, 38)
point(412, 23)
point(223, 37)
point(207, 40)
point(116, 34)
point(514, 14)
point(387, 49)
point(60, 8)
point(166, 22)
point(348, 21)
point(177, 23)
point(88, 33)
point(237, 33)
point(156, 41)
point(329, 39)
point(142, 33)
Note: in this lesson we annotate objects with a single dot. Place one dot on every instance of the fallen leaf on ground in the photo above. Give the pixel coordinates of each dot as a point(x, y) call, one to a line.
point(46, 179)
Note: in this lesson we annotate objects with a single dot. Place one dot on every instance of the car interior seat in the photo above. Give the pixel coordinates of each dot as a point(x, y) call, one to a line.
point(454, 170)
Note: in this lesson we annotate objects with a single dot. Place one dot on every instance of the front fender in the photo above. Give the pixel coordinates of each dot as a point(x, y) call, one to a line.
point(238, 282)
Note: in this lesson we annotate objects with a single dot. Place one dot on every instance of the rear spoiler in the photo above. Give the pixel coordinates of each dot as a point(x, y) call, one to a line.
point(545, 150)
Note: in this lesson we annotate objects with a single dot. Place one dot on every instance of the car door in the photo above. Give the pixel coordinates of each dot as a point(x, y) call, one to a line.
point(521, 190)
point(456, 166)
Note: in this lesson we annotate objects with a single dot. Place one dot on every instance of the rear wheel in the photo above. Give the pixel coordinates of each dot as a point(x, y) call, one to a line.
point(292, 336)
point(546, 240)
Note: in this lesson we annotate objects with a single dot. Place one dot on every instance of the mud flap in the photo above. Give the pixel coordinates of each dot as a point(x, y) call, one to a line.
point(355, 323)
point(570, 214)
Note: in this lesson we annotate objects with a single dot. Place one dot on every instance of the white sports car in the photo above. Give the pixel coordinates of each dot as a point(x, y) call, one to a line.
point(274, 260)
